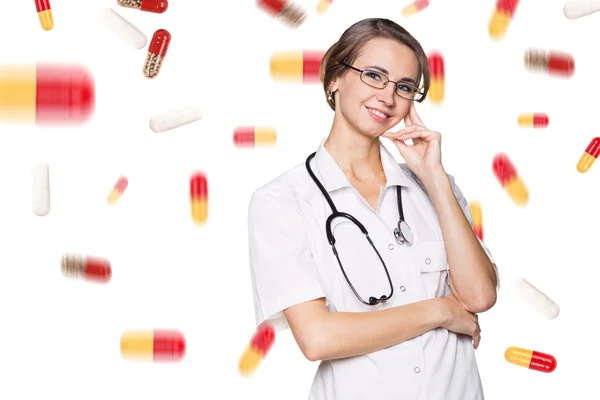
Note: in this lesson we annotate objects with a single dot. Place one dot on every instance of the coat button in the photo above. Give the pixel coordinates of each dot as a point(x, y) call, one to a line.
point(391, 246)
point(417, 370)
point(427, 261)
point(403, 288)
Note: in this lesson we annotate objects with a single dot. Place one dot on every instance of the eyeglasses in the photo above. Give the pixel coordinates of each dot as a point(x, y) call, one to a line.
point(378, 80)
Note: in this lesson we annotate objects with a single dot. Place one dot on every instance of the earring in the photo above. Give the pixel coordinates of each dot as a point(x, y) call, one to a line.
point(330, 97)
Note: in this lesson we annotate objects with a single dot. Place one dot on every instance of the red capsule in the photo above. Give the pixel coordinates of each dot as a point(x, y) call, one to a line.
point(153, 6)
point(89, 268)
point(160, 42)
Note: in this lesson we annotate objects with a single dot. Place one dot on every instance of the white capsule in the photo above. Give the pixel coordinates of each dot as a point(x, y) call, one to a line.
point(536, 299)
point(175, 118)
point(128, 32)
point(41, 190)
point(581, 8)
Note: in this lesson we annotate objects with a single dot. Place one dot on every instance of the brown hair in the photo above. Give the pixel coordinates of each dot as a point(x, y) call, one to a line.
point(348, 48)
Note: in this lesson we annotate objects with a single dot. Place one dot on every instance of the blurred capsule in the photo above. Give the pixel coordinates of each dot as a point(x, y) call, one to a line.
point(537, 299)
point(530, 359)
point(257, 350)
point(323, 6)
point(44, 14)
point(199, 197)
point(46, 94)
point(175, 118)
point(415, 7)
point(476, 214)
point(296, 66)
point(156, 53)
point(153, 345)
point(286, 11)
point(533, 120)
point(251, 136)
point(510, 180)
point(581, 8)
point(124, 29)
point(153, 6)
point(553, 63)
point(437, 72)
point(88, 268)
point(118, 190)
point(589, 156)
point(41, 190)
point(504, 12)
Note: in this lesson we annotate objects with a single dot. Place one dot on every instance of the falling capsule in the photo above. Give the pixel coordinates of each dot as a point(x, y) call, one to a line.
point(554, 63)
point(589, 156)
point(415, 7)
point(153, 6)
point(530, 359)
point(41, 190)
point(153, 345)
point(476, 214)
point(257, 350)
point(503, 14)
point(323, 6)
point(437, 72)
point(510, 180)
point(117, 190)
point(533, 120)
point(156, 53)
point(296, 66)
point(88, 268)
point(199, 197)
point(44, 14)
point(286, 11)
point(581, 8)
point(537, 299)
point(254, 136)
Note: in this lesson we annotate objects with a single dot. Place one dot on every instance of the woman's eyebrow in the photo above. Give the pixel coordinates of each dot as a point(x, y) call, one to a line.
point(385, 71)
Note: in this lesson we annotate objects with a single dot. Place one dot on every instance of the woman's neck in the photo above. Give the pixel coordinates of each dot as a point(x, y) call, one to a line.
point(356, 154)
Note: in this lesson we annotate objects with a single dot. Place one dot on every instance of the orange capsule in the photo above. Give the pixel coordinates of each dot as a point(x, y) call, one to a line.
point(250, 136)
point(323, 6)
point(286, 11)
point(510, 180)
point(589, 156)
point(296, 66)
point(415, 7)
point(437, 72)
point(533, 120)
point(530, 359)
point(257, 350)
point(199, 197)
point(118, 190)
point(476, 214)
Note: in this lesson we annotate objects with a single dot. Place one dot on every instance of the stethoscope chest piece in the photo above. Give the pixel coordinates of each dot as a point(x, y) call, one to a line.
point(403, 233)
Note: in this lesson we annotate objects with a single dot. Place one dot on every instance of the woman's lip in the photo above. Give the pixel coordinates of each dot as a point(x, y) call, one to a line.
point(377, 117)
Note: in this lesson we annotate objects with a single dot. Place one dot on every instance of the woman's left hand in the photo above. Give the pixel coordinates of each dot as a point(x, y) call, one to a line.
point(425, 155)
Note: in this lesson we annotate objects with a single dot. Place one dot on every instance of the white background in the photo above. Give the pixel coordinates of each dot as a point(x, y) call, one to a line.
point(60, 336)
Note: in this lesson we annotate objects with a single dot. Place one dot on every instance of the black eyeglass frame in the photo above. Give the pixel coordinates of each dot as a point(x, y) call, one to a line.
point(362, 71)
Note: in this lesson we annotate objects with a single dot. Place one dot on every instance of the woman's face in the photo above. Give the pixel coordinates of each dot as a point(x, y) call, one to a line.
point(369, 110)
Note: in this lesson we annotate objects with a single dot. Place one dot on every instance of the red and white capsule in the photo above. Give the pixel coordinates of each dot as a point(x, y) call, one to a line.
point(88, 268)
point(157, 50)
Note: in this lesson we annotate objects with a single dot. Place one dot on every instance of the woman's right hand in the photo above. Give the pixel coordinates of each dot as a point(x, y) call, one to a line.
point(462, 321)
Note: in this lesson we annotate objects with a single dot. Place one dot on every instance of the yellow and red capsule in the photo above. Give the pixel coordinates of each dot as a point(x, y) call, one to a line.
point(510, 180)
point(503, 14)
point(296, 66)
point(415, 7)
point(477, 216)
point(254, 136)
point(153, 345)
point(199, 197)
point(257, 350)
point(589, 156)
point(437, 72)
point(530, 359)
point(533, 120)
point(44, 14)
point(118, 189)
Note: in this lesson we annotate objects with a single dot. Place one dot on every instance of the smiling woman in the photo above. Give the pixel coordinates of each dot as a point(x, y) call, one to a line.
point(374, 265)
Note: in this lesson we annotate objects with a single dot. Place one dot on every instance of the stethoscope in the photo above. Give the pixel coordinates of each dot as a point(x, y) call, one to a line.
point(402, 233)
